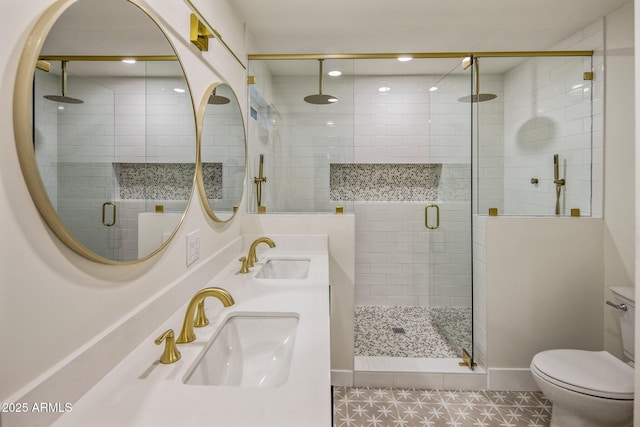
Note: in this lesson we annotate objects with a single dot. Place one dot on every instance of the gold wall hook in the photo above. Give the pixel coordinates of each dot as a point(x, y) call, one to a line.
point(199, 35)
point(171, 353)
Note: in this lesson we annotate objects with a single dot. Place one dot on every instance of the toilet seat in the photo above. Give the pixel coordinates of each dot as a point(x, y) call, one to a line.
point(595, 373)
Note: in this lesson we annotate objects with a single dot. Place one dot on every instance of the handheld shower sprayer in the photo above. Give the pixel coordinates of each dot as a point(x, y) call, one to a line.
point(559, 182)
point(259, 180)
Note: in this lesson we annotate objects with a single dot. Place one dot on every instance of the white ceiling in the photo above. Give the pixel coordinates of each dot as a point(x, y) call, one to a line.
point(348, 26)
point(409, 26)
point(354, 26)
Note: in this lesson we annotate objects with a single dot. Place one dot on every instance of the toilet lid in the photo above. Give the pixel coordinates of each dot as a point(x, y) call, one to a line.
point(596, 373)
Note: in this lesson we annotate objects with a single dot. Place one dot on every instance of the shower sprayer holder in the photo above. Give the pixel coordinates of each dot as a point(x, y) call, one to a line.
point(559, 182)
point(258, 181)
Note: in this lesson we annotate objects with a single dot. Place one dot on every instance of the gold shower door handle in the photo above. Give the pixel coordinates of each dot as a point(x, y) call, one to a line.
point(426, 217)
point(104, 209)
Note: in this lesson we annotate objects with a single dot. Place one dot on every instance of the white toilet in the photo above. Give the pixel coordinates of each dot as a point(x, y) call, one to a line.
point(591, 388)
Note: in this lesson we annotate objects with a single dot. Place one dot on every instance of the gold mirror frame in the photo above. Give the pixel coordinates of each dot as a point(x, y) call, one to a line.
point(24, 138)
point(202, 189)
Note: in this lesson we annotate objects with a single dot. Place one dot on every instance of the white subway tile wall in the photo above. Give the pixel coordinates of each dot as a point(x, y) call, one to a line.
point(133, 120)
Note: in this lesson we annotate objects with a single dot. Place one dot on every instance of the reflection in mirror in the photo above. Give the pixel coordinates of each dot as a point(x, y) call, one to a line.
point(223, 151)
point(112, 163)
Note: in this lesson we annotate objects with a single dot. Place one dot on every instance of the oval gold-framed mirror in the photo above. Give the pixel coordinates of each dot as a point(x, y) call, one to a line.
point(105, 129)
point(222, 149)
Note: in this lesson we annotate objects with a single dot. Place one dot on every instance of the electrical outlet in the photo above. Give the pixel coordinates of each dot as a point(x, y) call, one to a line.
point(193, 247)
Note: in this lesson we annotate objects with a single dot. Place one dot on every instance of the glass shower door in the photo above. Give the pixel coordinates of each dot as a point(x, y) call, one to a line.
point(74, 146)
point(448, 218)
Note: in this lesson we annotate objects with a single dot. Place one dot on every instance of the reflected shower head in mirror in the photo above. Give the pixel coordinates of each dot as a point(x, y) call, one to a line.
point(320, 98)
point(481, 97)
point(477, 97)
point(217, 99)
point(64, 98)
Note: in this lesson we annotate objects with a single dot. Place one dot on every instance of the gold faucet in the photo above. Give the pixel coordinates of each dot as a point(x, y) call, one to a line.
point(244, 269)
point(171, 353)
point(187, 334)
point(251, 256)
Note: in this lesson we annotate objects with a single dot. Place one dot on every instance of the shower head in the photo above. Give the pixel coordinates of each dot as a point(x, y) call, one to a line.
point(320, 98)
point(481, 97)
point(477, 97)
point(64, 98)
point(218, 99)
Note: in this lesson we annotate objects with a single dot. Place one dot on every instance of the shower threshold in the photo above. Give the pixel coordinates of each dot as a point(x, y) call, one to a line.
point(400, 346)
point(443, 373)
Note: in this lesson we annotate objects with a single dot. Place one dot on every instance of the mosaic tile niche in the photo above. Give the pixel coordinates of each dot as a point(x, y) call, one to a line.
point(166, 181)
point(385, 181)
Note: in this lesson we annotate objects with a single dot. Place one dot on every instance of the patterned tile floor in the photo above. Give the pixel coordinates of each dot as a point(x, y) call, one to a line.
point(387, 407)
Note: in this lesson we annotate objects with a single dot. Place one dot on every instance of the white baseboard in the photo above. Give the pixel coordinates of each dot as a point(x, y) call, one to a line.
point(342, 377)
point(511, 379)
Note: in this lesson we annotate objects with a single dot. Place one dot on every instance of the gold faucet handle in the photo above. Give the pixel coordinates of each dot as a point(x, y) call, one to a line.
point(201, 317)
point(245, 265)
point(171, 353)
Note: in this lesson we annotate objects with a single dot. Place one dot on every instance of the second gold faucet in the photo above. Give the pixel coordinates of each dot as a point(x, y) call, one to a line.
point(251, 258)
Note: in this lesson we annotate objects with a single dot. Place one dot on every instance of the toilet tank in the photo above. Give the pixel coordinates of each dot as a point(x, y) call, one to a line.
point(626, 295)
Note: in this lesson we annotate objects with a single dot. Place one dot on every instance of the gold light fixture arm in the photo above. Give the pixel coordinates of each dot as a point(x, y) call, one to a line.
point(199, 35)
point(211, 31)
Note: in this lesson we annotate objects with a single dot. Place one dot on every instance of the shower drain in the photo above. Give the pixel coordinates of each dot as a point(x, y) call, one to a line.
point(398, 330)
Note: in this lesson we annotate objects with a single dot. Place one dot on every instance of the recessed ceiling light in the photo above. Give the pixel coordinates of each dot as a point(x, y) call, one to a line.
point(433, 88)
point(129, 61)
point(384, 89)
point(405, 58)
point(335, 73)
point(179, 90)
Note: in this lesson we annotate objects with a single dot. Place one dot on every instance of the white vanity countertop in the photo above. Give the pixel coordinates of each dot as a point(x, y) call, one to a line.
point(140, 391)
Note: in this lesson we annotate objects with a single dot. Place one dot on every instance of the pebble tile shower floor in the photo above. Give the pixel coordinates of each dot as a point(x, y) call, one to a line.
point(374, 336)
point(387, 407)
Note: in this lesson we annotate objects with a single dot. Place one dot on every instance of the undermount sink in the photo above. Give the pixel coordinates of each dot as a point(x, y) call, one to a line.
point(284, 268)
point(250, 350)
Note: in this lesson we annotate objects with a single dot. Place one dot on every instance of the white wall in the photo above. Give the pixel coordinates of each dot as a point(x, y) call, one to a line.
point(619, 165)
point(544, 287)
point(636, 276)
point(54, 300)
